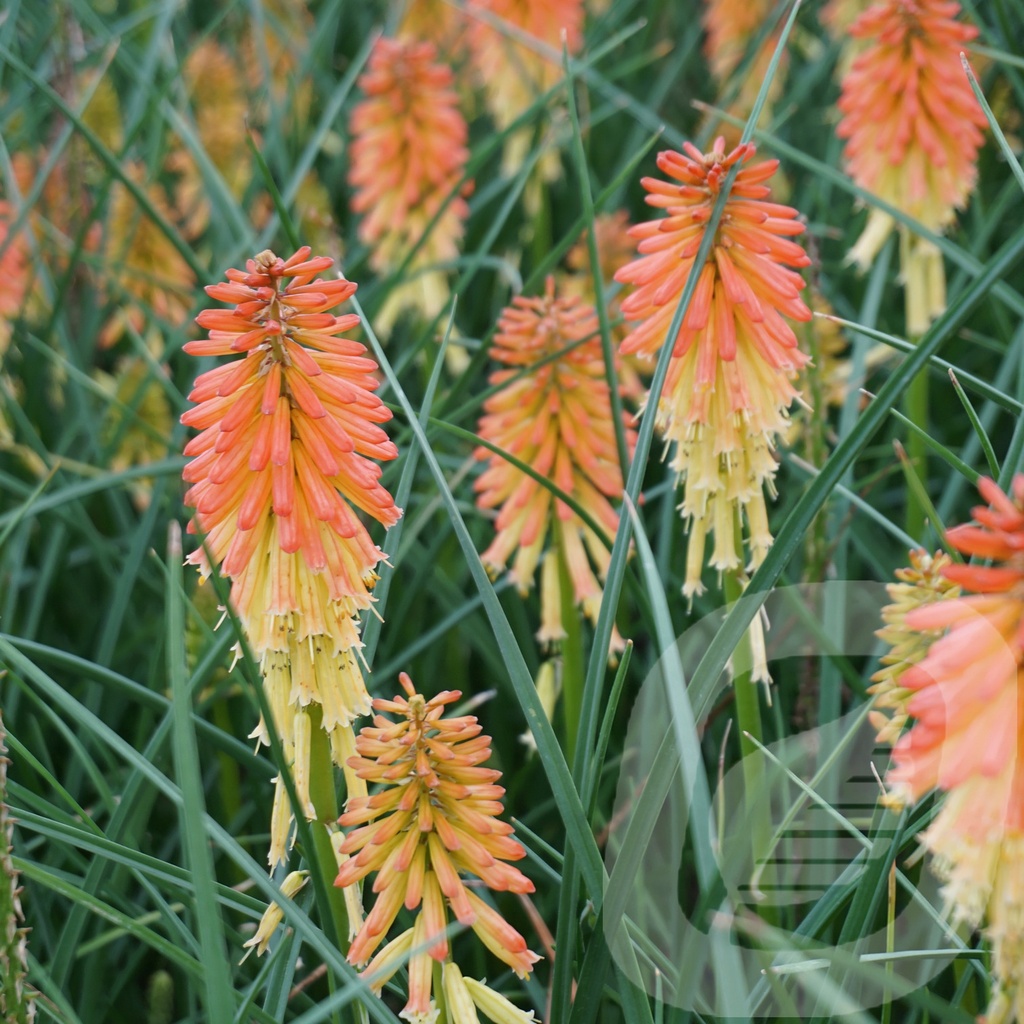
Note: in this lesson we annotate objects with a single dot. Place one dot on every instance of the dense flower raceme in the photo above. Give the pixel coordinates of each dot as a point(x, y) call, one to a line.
point(516, 73)
point(408, 156)
point(278, 471)
point(967, 699)
point(730, 379)
point(434, 816)
point(557, 418)
point(912, 128)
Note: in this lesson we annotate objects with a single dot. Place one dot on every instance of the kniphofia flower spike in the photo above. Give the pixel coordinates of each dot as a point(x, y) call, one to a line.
point(730, 379)
point(278, 472)
point(557, 419)
point(434, 818)
point(912, 128)
point(407, 158)
point(967, 699)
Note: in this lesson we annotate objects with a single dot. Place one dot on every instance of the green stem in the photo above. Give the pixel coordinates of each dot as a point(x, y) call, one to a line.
point(573, 664)
point(437, 982)
point(229, 774)
point(814, 425)
point(541, 242)
point(322, 862)
point(748, 719)
point(916, 406)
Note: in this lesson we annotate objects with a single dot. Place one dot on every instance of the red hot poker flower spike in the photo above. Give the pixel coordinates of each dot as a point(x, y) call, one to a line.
point(408, 155)
point(912, 128)
point(278, 471)
point(967, 699)
point(558, 420)
point(730, 379)
point(434, 818)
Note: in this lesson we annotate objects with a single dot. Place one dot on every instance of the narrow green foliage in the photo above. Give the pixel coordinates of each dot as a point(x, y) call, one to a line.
point(16, 995)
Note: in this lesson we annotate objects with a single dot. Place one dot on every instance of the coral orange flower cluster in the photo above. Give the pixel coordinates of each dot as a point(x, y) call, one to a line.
point(278, 470)
point(408, 156)
point(434, 817)
point(967, 699)
point(730, 378)
point(912, 128)
point(556, 418)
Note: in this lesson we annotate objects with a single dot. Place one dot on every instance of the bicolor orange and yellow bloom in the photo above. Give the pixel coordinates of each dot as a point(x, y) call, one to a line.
point(730, 378)
point(912, 128)
point(280, 471)
point(557, 418)
point(408, 157)
point(434, 819)
point(516, 73)
point(966, 697)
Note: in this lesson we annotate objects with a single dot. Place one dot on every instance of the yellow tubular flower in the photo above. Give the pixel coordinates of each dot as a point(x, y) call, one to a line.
point(558, 420)
point(274, 915)
point(464, 996)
